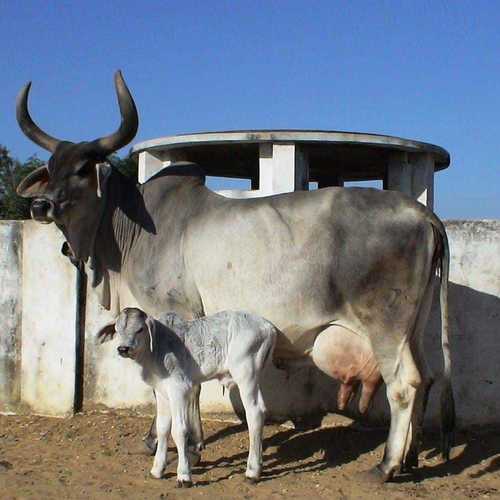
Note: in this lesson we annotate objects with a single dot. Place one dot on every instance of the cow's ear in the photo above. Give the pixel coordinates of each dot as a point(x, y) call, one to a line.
point(35, 184)
point(151, 326)
point(103, 171)
point(106, 333)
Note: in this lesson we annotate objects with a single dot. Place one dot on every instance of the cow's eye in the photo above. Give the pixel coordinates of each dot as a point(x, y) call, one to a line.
point(84, 170)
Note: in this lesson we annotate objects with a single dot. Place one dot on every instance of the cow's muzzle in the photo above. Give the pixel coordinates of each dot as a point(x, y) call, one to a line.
point(42, 210)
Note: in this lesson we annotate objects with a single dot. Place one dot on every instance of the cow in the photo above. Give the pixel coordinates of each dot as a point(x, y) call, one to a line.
point(313, 263)
point(176, 356)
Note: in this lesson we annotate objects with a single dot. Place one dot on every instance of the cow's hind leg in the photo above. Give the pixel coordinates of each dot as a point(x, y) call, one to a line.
point(421, 399)
point(420, 405)
point(422, 396)
point(403, 380)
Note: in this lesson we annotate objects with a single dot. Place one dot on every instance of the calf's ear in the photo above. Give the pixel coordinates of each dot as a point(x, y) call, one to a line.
point(106, 333)
point(35, 184)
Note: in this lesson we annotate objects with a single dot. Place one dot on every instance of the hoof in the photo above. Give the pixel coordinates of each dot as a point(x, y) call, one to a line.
point(184, 484)
point(374, 476)
point(156, 475)
point(251, 480)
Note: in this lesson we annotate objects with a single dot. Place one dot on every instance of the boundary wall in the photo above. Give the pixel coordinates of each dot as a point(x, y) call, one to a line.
point(38, 338)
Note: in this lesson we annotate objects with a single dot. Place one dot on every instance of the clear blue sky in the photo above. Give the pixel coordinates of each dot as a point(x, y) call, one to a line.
point(427, 70)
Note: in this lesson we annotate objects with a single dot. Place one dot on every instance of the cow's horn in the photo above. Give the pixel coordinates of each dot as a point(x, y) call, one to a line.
point(128, 126)
point(28, 126)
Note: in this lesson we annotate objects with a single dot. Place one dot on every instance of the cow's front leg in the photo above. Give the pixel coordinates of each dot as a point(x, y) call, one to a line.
point(179, 396)
point(163, 426)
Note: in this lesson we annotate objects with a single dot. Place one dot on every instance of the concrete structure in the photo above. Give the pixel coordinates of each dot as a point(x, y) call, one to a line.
point(10, 313)
point(280, 161)
point(48, 323)
point(37, 337)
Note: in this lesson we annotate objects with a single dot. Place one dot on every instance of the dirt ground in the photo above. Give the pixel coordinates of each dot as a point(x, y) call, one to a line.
point(93, 456)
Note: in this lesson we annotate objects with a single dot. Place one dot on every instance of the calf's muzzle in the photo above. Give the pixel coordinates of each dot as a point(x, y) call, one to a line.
point(123, 350)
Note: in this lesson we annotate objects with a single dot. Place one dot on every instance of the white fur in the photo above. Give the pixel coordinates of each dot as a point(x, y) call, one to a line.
point(228, 346)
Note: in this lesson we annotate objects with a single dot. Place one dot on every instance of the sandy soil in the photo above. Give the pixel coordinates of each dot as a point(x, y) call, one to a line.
point(93, 456)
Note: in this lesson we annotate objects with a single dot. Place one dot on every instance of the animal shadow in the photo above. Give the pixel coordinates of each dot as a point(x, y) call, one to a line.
point(472, 447)
point(291, 451)
point(294, 452)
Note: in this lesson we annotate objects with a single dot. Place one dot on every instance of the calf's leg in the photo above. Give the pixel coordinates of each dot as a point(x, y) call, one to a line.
point(151, 439)
point(246, 378)
point(255, 411)
point(195, 439)
point(163, 425)
point(179, 399)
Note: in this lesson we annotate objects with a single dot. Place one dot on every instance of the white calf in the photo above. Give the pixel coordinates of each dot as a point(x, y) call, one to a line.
point(177, 355)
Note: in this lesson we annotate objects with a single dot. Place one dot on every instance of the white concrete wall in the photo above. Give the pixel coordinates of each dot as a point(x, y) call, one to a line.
point(109, 379)
point(10, 313)
point(47, 370)
point(475, 319)
point(48, 322)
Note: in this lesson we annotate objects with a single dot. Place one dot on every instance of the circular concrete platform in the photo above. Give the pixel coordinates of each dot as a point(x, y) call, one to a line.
point(350, 155)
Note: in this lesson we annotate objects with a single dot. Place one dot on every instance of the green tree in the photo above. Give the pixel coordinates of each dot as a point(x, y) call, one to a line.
point(12, 172)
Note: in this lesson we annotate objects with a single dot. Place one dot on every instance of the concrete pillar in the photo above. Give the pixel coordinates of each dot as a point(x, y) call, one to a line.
point(423, 179)
point(282, 168)
point(413, 175)
point(398, 176)
point(255, 182)
point(149, 165)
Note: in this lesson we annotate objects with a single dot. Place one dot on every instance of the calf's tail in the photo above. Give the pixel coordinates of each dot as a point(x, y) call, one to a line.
point(447, 399)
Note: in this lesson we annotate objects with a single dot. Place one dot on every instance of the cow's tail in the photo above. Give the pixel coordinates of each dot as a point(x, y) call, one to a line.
point(447, 399)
